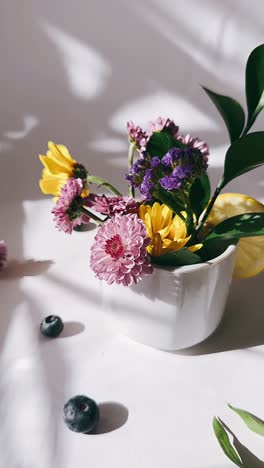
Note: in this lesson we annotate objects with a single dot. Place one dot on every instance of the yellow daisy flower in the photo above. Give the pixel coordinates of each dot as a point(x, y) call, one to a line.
point(167, 233)
point(59, 166)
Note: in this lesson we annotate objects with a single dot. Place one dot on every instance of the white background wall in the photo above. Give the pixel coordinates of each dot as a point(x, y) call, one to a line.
point(76, 71)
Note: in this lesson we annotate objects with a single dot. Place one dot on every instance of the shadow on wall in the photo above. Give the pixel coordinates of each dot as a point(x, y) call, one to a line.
point(88, 73)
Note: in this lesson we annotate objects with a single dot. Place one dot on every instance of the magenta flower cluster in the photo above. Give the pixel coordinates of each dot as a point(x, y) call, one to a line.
point(119, 253)
point(110, 206)
point(68, 211)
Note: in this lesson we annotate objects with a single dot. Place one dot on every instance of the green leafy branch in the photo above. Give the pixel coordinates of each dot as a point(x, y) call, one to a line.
point(222, 434)
point(246, 151)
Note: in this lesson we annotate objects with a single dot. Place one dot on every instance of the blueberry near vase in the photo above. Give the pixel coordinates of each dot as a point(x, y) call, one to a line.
point(174, 308)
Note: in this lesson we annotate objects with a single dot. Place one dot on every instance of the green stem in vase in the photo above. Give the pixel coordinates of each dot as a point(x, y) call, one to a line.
point(92, 216)
point(209, 206)
point(131, 150)
point(91, 179)
point(165, 198)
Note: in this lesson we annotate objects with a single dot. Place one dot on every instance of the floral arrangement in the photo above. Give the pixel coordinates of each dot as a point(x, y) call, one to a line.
point(173, 219)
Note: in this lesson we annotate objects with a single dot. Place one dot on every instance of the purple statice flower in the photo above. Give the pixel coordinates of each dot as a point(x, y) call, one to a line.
point(138, 169)
point(137, 136)
point(172, 157)
point(110, 206)
point(194, 142)
point(3, 254)
point(161, 124)
point(155, 162)
point(68, 211)
point(145, 174)
point(170, 183)
point(119, 253)
point(177, 178)
point(193, 157)
point(148, 185)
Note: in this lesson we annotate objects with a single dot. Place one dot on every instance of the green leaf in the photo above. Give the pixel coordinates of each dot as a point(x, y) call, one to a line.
point(200, 194)
point(161, 142)
point(215, 247)
point(252, 422)
point(244, 225)
point(101, 182)
point(243, 155)
point(231, 112)
point(225, 443)
point(177, 258)
point(255, 84)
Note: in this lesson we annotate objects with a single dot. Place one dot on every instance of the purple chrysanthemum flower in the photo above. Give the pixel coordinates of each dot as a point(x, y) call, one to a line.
point(110, 206)
point(3, 254)
point(119, 254)
point(68, 211)
point(194, 142)
point(162, 123)
point(137, 136)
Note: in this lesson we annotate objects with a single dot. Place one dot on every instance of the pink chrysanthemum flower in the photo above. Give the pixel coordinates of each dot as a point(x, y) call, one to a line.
point(3, 254)
point(194, 142)
point(137, 136)
point(119, 254)
point(68, 211)
point(110, 206)
point(162, 123)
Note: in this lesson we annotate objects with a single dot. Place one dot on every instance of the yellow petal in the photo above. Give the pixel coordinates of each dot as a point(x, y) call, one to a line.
point(175, 245)
point(156, 245)
point(142, 211)
point(50, 184)
point(167, 215)
point(194, 248)
point(60, 157)
point(165, 232)
point(156, 217)
point(55, 167)
point(62, 149)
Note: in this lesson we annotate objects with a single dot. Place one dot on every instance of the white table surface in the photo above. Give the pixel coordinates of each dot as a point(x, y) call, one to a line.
point(170, 398)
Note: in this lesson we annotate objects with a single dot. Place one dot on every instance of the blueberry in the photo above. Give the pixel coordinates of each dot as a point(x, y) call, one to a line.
point(81, 414)
point(51, 326)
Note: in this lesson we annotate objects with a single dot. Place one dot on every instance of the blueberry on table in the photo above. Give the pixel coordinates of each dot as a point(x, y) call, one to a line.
point(81, 414)
point(51, 326)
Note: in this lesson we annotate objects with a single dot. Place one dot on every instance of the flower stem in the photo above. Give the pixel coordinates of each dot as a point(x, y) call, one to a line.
point(91, 179)
point(91, 215)
point(131, 150)
point(209, 206)
point(176, 207)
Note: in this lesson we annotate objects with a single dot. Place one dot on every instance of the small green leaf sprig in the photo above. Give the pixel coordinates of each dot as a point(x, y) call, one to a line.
point(222, 434)
point(245, 153)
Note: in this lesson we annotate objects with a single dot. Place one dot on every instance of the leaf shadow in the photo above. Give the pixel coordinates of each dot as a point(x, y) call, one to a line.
point(248, 458)
point(19, 268)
